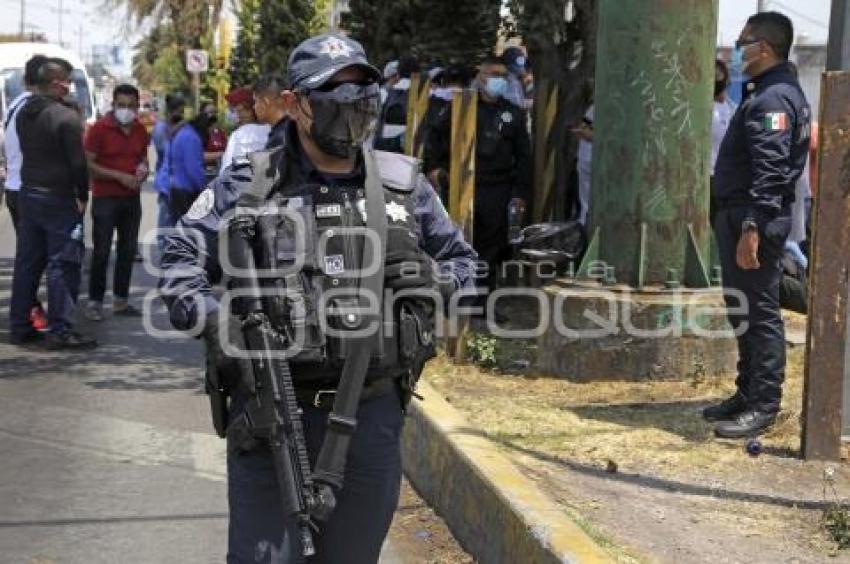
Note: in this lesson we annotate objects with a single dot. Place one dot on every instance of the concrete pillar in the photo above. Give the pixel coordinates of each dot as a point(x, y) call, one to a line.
point(654, 86)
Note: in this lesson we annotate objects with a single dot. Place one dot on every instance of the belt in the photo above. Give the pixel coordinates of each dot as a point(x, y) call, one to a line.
point(324, 398)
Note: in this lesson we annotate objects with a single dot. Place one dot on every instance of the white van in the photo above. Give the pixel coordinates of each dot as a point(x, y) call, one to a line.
point(13, 57)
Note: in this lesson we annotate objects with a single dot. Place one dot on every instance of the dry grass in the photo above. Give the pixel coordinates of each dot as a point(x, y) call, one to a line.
point(648, 426)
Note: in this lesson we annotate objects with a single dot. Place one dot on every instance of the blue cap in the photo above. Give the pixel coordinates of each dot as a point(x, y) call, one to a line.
point(515, 59)
point(317, 59)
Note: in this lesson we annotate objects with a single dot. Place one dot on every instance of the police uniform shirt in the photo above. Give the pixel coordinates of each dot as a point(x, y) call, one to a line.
point(766, 147)
point(190, 257)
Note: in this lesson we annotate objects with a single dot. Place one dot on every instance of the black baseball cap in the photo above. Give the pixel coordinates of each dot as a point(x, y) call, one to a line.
point(317, 59)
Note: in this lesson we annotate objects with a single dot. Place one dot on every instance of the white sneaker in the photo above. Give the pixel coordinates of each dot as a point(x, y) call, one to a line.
point(94, 311)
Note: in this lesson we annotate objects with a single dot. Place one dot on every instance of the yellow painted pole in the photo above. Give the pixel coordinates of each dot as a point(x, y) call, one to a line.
point(417, 108)
point(545, 149)
point(462, 185)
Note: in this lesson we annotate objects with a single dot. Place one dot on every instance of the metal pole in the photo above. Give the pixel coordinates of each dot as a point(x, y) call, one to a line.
point(838, 50)
point(196, 86)
point(60, 22)
point(649, 216)
point(23, 18)
point(762, 6)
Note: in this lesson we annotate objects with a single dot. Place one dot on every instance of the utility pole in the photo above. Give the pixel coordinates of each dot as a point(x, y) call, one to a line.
point(826, 394)
point(23, 17)
point(60, 22)
point(762, 6)
point(838, 50)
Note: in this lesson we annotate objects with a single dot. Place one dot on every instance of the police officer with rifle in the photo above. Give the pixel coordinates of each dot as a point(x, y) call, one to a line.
point(337, 259)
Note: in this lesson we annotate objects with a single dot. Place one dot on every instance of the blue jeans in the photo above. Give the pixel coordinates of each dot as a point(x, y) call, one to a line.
point(356, 530)
point(44, 241)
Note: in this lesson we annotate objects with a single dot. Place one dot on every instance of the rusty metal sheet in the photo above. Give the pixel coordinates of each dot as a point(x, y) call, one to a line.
point(826, 361)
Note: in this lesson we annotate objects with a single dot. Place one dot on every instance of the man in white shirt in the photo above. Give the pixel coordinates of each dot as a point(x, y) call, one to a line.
point(11, 143)
point(249, 136)
point(15, 160)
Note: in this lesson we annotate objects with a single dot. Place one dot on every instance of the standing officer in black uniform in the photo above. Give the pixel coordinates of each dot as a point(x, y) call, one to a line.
point(320, 175)
point(502, 162)
point(761, 158)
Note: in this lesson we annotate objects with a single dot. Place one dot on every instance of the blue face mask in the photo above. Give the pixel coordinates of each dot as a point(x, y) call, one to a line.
point(737, 63)
point(496, 87)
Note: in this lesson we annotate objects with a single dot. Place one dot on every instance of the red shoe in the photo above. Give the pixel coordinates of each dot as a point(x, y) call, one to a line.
point(38, 319)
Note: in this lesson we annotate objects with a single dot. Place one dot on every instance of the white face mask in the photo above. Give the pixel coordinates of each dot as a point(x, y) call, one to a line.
point(125, 116)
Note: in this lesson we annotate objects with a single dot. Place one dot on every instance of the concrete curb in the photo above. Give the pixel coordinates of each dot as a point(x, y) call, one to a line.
point(494, 511)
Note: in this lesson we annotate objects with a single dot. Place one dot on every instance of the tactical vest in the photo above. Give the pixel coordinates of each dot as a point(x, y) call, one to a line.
point(315, 297)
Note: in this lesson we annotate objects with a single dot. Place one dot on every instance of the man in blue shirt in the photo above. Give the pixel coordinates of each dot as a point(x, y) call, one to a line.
point(761, 157)
point(175, 106)
point(182, 175)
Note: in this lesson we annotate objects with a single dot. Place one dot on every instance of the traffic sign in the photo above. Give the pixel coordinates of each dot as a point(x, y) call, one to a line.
point(197, 60)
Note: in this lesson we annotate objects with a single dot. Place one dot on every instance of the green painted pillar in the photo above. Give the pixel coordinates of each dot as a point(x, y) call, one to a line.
point(654, 87)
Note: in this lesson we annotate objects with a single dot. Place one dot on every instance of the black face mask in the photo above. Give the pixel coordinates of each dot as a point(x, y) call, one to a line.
point(175, 119)
point(343, 118)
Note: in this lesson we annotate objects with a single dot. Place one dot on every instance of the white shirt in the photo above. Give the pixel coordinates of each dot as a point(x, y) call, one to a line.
point(14, 157)
point(720, 118)
point(246, 139)
point(585, 148)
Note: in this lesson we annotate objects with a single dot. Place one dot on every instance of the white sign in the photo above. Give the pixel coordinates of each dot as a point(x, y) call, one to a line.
point(197, 60)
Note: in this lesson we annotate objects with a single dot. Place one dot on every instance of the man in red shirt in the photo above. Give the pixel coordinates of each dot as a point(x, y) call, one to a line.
point(116, 148)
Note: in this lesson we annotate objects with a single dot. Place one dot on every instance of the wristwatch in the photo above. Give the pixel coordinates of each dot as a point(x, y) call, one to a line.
point(749, 225)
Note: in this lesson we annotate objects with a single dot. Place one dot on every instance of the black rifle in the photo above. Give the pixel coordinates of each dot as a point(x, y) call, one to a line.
point(272, 412)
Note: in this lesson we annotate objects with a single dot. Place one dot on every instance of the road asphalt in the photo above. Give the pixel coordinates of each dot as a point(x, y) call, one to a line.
point(108, 455)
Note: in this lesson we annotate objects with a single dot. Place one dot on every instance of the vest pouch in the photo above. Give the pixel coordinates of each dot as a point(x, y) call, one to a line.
point(302, 316)
point(292, 234)
point(385, 353)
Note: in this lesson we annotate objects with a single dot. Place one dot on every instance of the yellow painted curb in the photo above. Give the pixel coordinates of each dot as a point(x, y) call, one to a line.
point(494, 511)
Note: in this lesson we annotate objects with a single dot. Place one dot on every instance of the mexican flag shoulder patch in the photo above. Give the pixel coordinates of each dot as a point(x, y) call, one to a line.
point(776, 121)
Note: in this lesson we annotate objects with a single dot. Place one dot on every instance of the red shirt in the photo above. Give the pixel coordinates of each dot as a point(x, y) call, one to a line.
point(116, 150)
point(217, 140)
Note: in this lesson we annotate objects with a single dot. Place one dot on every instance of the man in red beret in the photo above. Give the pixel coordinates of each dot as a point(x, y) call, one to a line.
point(249, 136)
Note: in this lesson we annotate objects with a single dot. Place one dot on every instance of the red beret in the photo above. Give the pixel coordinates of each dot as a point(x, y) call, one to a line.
point(240, 96)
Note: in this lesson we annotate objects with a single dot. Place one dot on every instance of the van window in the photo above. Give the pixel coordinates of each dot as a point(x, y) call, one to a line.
point(15, 85)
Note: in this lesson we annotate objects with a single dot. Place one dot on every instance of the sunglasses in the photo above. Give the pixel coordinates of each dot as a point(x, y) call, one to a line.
point(343, 92)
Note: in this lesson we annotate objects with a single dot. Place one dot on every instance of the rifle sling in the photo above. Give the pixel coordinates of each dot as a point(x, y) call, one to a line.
point(342, 421)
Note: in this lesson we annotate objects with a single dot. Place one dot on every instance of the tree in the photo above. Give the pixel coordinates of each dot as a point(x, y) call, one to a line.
point(448, 30)
point(191, 19)
point(319, 23)
point(159, 62)
point(283, 25)
point(433, 30)
point(384, 27)
point(244, 64)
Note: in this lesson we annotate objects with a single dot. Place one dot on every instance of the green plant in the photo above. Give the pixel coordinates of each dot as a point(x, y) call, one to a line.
point(482, 349)
point(836, 516)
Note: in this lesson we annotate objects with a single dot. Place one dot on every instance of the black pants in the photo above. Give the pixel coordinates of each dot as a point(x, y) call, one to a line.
point(111, 214)
point(179, 202)
point(490, 227)
point(758, 322)
point(12, 204)
point(356, 530)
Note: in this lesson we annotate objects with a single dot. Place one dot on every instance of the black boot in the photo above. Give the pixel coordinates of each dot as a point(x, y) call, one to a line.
point(751, 423)
point(69, 340)
point(727, 410)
